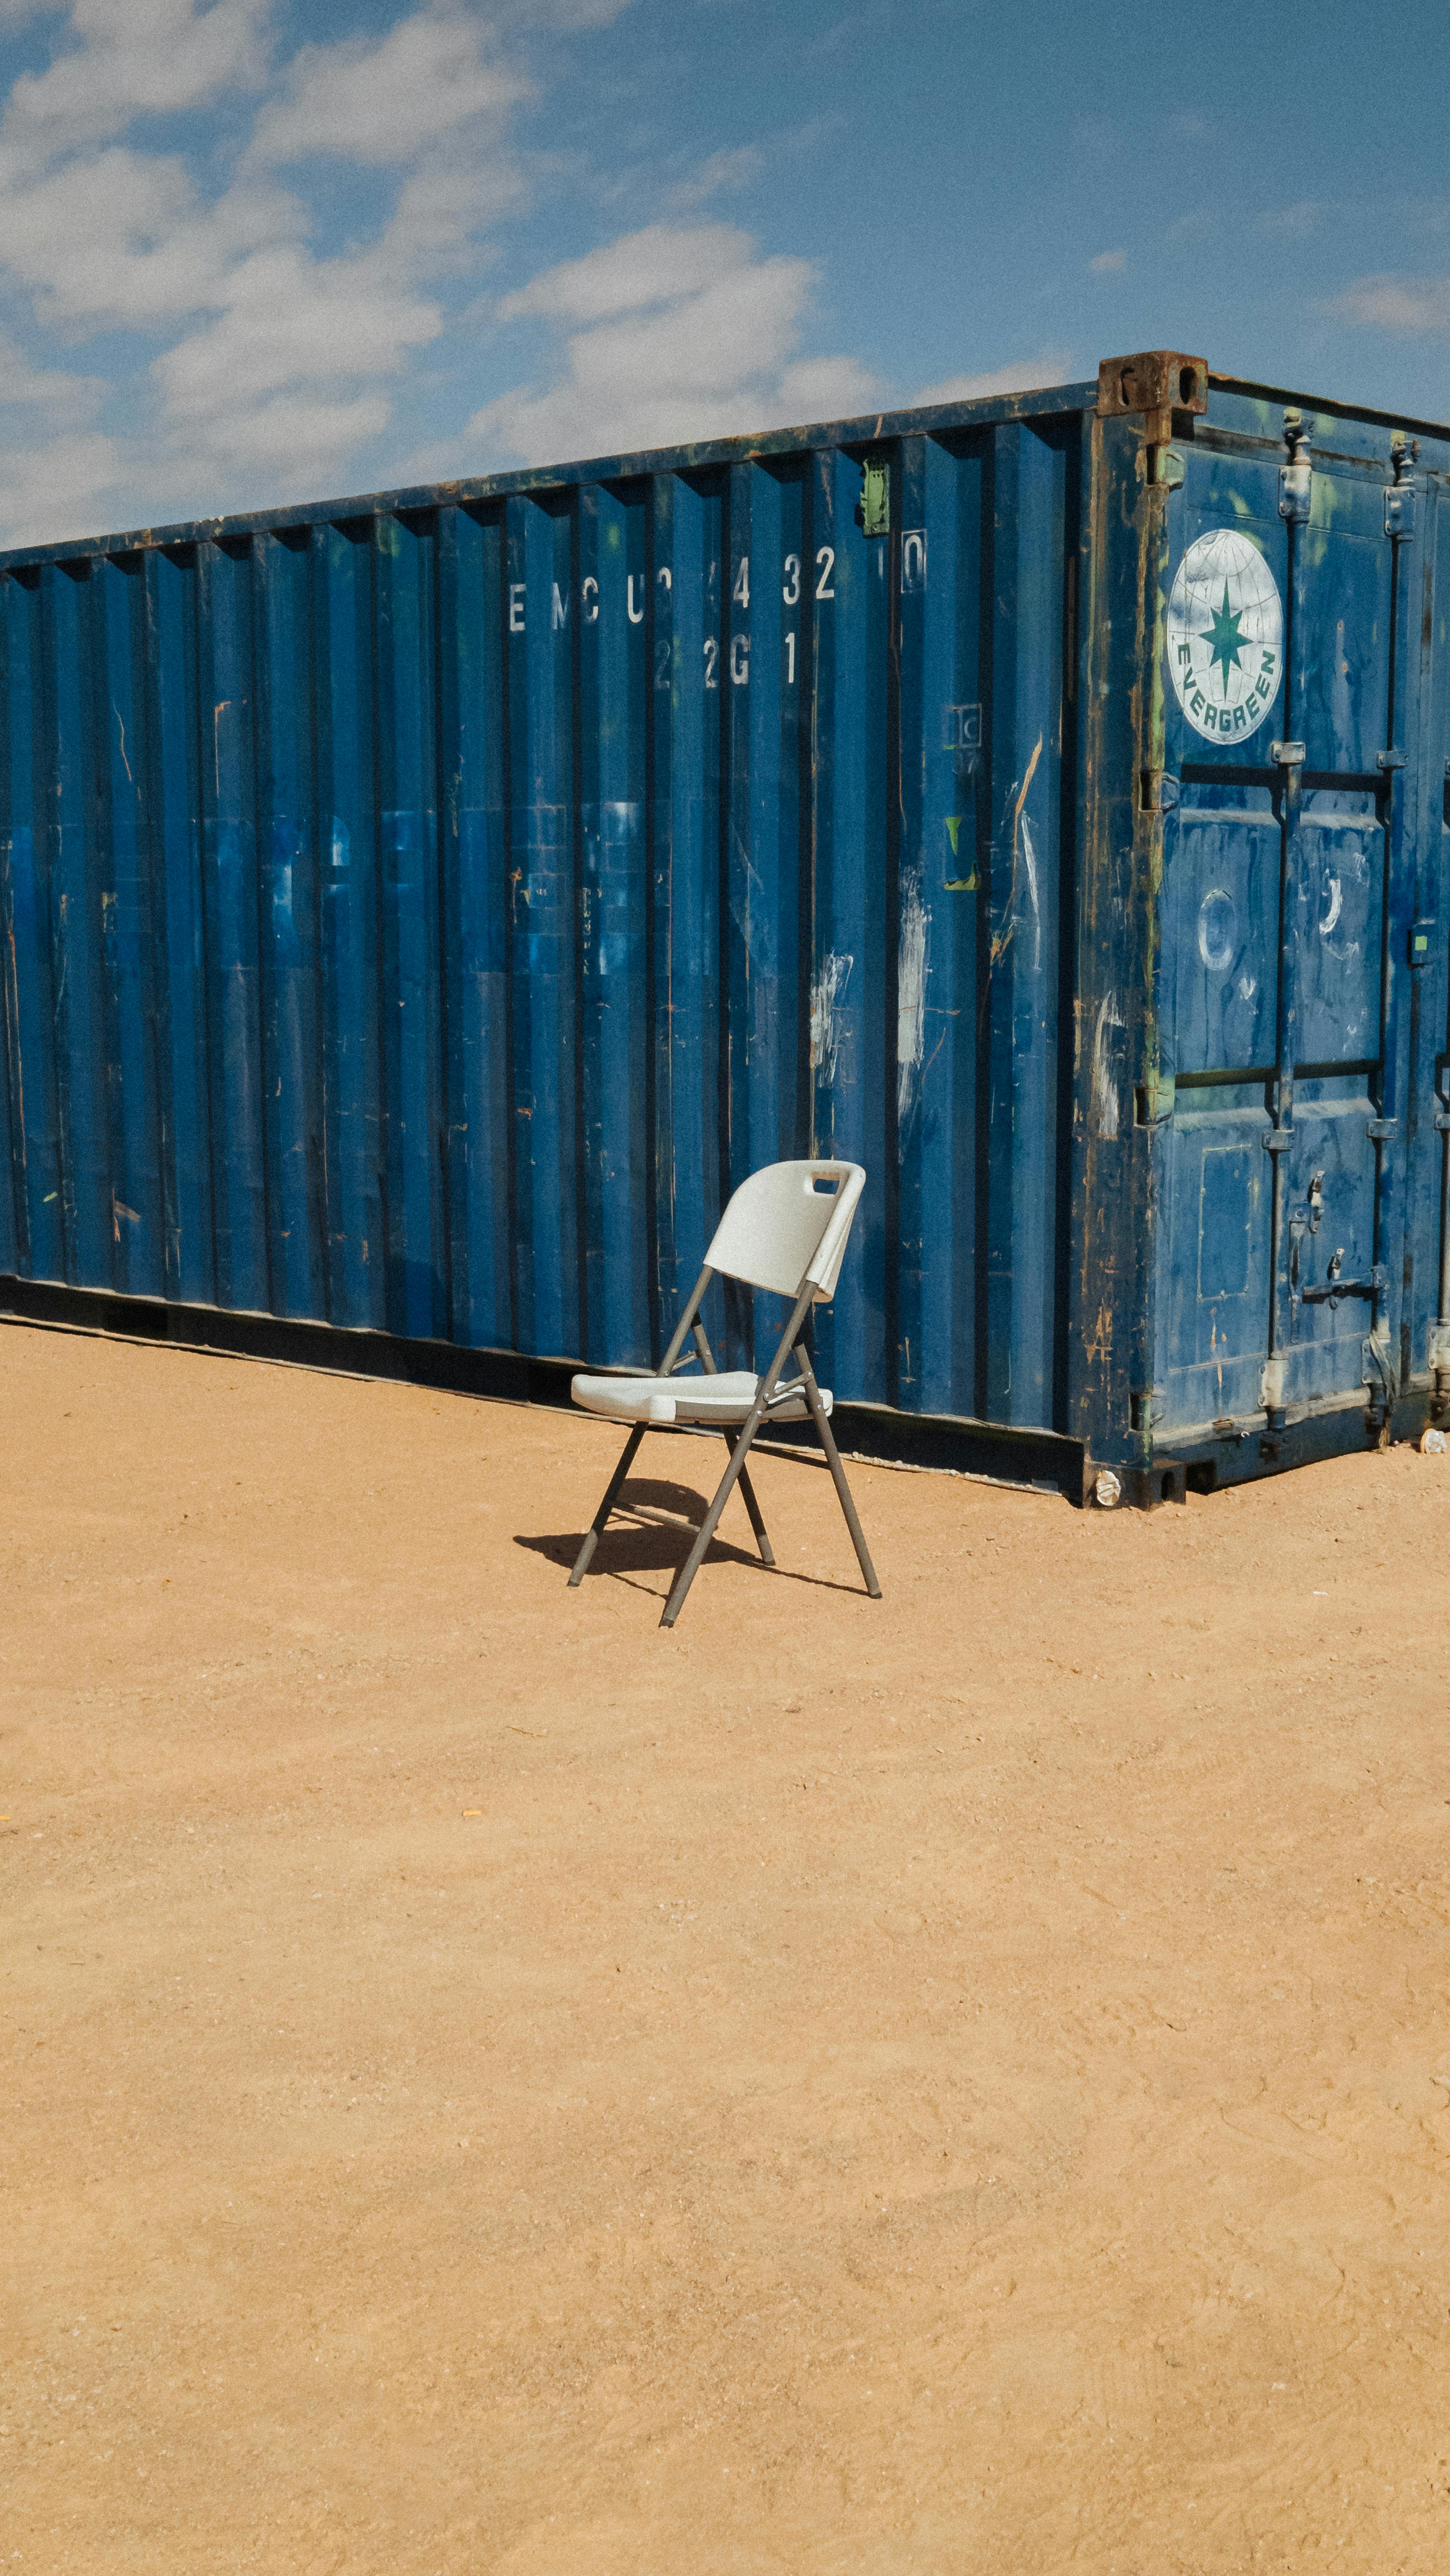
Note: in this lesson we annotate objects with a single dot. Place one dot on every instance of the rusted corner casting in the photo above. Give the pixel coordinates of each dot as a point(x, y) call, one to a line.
point(1158, 383)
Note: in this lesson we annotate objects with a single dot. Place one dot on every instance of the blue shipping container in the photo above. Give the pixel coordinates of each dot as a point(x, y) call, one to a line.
point(419, 912)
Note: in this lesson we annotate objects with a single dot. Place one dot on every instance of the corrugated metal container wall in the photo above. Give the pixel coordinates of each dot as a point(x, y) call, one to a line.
point(420, 913)
point(423, 919)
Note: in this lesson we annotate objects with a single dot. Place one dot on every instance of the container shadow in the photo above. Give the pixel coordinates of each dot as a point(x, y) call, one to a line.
point(651, 1529)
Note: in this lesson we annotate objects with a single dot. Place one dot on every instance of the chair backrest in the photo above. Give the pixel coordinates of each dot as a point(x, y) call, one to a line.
point(788, 1224)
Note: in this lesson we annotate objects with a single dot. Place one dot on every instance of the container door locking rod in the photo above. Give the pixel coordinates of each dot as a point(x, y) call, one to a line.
point(1380, 1376)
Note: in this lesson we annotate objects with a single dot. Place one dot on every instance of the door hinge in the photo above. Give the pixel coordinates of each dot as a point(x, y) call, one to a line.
point(1375, 1369)
point(1278, 1140)
point(1165, 467)
point(1147, 1406)
point(1287, 755)
point(1296, 479)
point(1400, 495)
point(1159, 791)
point(1153, 1100)
point(1378, 1130)
point(1390, 759)
point(1399, 511)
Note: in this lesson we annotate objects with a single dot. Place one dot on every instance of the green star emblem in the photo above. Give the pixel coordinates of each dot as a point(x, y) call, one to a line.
point(1226, 637)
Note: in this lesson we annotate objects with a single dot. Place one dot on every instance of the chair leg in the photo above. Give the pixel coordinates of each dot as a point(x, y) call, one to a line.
point(757, 1517)
point(736, 1469)
point(611, 1496)
point(707, 1528)
point(838, 1473)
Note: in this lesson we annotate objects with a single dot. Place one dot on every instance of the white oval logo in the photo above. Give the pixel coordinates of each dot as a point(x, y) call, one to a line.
point(1225, 635)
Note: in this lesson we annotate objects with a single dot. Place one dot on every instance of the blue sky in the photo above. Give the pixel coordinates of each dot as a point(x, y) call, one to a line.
point(258, 252)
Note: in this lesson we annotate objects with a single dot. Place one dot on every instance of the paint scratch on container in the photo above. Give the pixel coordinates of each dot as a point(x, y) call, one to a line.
point(1336, 907)
point(217, 713)
point(910, 998)
point(1017, 798)
point(1105, 1110)
point(1030, 855)
point(826, 991)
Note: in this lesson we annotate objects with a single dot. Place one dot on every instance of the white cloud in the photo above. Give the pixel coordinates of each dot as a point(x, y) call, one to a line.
point(55, 458)
point(120, 236)
point(289, 449)
point(1108, 263)
point(565, 15)
point(51, 485)
point(1396, 303)
point(291, 319)
point(64, 397)
point(387, 102)
point(690, 335)
point(717, 173)
point(1049, 367)
point(1294, 223)
point(123, 238)
point(285, 362)
point(439, 209)
point(292, 374)
point(279, 364)
point(816, 389)
point(656, 266)
point(135, 58)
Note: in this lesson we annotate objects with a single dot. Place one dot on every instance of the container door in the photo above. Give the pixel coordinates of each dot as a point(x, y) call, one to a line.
point(1283, 884)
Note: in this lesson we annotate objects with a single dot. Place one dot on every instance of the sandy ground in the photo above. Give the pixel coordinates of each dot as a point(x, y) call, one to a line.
point(955, 2084)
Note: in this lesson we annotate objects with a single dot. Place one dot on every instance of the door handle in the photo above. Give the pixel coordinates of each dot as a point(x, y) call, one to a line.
point(1329, 1292)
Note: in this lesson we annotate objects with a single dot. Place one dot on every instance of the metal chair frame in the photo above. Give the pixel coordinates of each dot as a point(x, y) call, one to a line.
point(770, 1393)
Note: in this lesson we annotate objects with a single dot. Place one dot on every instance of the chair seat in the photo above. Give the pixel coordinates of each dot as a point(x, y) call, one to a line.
point(725, 1398)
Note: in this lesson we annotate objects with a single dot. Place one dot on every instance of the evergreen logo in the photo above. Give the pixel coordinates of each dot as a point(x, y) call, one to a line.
point(1225, 635)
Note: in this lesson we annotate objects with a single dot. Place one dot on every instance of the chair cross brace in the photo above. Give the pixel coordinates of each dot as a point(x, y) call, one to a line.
point(738, 1442)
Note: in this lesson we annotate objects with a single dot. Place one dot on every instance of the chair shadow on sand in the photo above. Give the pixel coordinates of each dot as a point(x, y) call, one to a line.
point(653, 1525)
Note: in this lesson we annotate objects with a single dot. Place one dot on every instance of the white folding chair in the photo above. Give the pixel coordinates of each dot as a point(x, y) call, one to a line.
point(784, 1230)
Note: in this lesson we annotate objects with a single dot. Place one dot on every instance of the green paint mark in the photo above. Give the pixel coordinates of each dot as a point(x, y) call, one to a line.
point(1226, 633)
point(958, 885)
point(875, 510)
